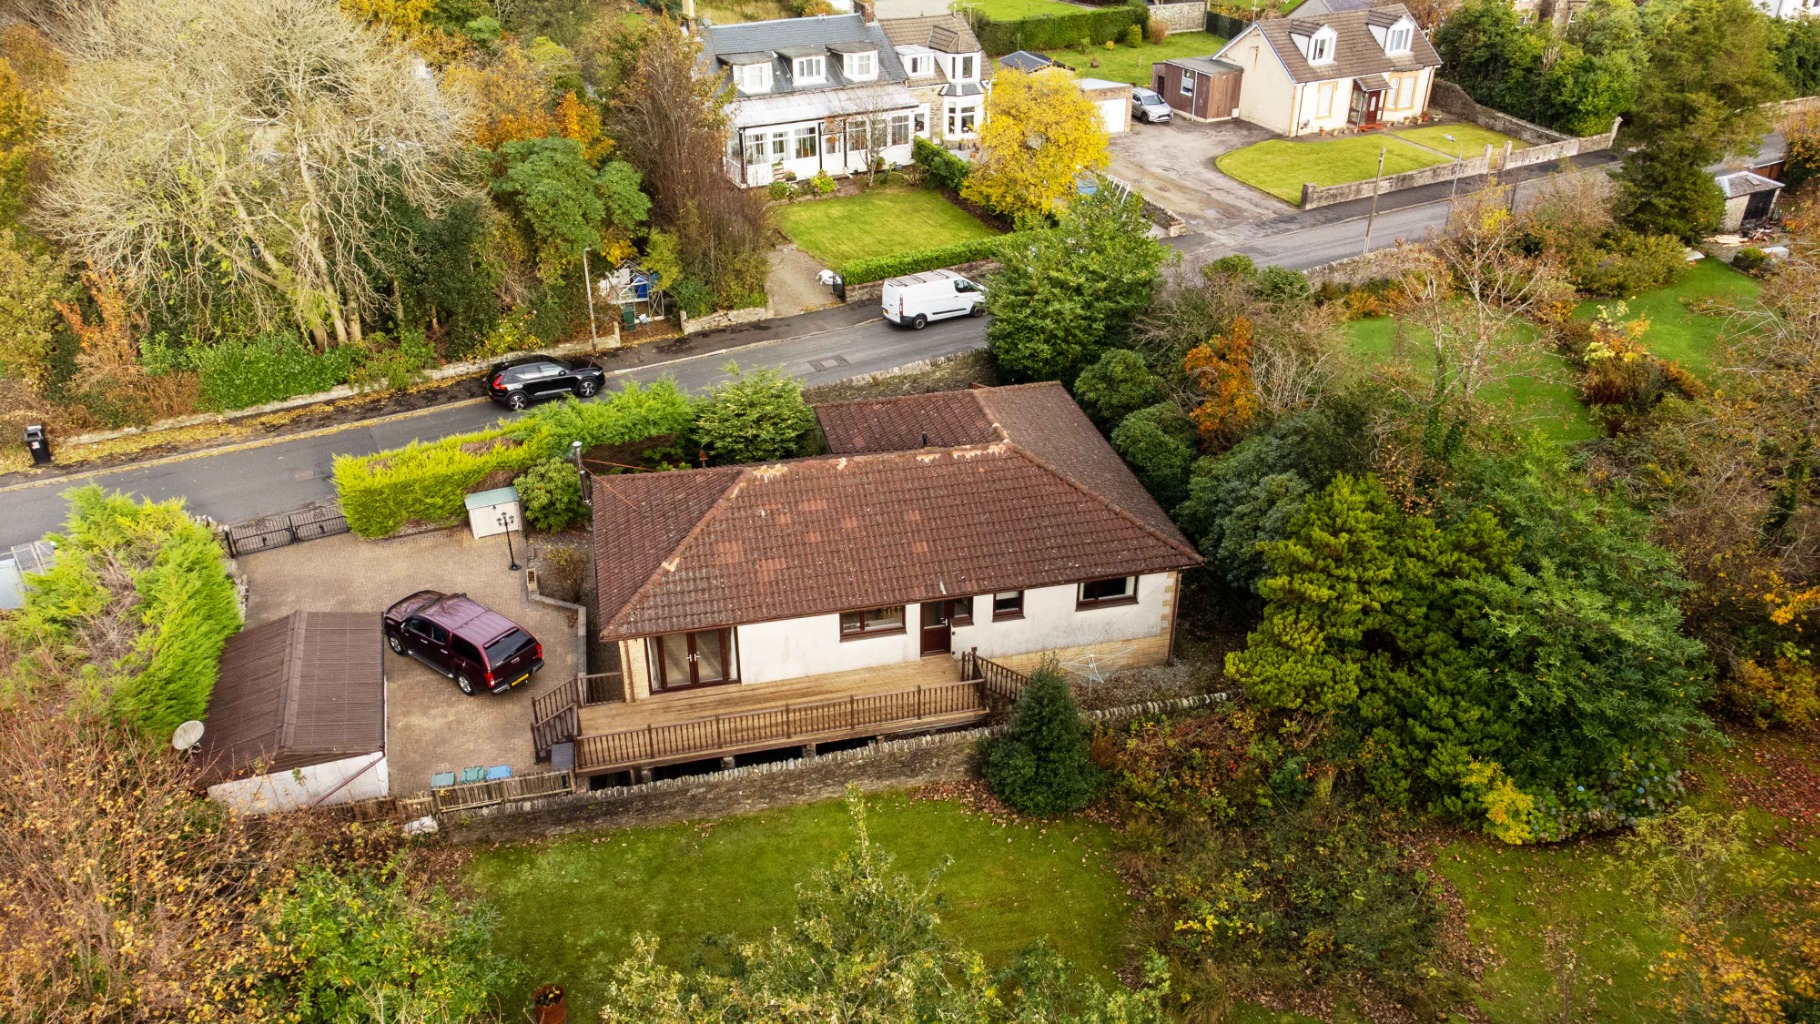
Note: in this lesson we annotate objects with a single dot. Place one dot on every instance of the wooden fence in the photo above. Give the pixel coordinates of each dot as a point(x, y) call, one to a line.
point(556, 716)
point(1002, 685)
point(463, 797)
point(766, 728)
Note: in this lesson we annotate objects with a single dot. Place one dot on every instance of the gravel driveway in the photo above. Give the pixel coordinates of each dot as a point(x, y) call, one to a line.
point(1172, 164)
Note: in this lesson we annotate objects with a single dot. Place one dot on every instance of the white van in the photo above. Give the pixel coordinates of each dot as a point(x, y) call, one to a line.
point(933, 295)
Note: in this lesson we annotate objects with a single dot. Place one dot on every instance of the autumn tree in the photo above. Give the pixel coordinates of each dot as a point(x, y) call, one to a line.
point(1220, 373)
point(29, 70)
point(259, 161)
point(1040, 135)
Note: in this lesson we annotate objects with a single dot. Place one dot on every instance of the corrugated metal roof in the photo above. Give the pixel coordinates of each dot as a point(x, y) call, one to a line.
point(301, 690)
point(756, 111)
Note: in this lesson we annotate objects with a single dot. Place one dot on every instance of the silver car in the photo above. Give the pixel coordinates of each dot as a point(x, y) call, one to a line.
point(1147, 106)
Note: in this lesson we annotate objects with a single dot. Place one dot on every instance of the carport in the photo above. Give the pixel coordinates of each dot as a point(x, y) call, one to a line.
point(297, 716)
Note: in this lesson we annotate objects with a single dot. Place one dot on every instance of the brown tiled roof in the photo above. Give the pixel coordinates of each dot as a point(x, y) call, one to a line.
point(301, 690)
point(1356, 51)
point(948, 33)
point(1035, 497)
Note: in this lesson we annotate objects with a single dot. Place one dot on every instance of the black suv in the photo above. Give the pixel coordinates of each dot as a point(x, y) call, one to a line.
point(461, 638)
point(519, 382)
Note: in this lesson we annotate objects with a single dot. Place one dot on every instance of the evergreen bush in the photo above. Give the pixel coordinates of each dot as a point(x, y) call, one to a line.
point(1041, 767)
point(238, 373)
point(915, 261)
point(1054, 33)
point(754, 417)
point(944, 168)
point(551, 495)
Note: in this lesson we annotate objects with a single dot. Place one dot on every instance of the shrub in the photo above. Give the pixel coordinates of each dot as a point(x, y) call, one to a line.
point(1630, 263)
point(1784, 693)
point(238, 373)
point(1158, 442)
point(364, 941)
point(1234, 265)
point(822, 184)
point(946, 169)
point(754, 417)
point(693, 297)
point(1046, 33)
point(1751, 260)
point(140, 600)
point(1134, 36)
point(781, 190)
point(429, 482)
point(387, 366)
point(1281, 284)
point(1116, 385)
point(551, 494)
point(915, 261)
point(1041, 767)
point(1158, 31)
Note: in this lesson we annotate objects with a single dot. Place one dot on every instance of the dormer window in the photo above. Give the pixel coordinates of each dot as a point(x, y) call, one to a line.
point(1399, 38)
point(751, 72)
point(963, 67)
point(862, 66)
point(1320, 46)
point(809, 70)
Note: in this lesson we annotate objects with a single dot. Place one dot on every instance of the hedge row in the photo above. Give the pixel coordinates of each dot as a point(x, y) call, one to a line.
point(915, 261)
point(181, 609)
point(430, 482)
point(1065, 30)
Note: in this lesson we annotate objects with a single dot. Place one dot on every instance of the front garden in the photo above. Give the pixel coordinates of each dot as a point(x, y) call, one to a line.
point(1281, 166)
point(1469, 140)
point(880, 221)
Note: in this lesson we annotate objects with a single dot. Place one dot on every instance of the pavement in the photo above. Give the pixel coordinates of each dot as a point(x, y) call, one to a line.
point(278, 474)
point(1172, 164)
point(430, 725)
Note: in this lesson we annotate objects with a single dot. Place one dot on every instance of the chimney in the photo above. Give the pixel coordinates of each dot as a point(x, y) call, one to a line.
point(865, 10)
point(688, 12)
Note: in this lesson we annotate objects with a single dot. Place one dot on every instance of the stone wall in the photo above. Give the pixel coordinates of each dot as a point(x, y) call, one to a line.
point(1508, 158)
point(1181, 17)
point(893, 764)
point(724, 318)
point(1450, 98)
point(1357, 270)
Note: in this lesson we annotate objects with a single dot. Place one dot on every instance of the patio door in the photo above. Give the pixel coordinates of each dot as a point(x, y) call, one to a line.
point(939, 620)
point(704, 658)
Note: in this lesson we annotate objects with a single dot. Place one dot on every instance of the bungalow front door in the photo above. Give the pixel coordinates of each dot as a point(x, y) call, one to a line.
point(939, 620)
point(1367, 105)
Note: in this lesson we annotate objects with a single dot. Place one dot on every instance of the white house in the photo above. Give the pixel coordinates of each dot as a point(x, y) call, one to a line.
point(947, 72)
point(811, 95)
point(1351, 69)
point(994, 521)
point(297, 716)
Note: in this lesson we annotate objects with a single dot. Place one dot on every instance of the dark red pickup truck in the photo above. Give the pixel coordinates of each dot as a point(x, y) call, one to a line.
point(478, 648)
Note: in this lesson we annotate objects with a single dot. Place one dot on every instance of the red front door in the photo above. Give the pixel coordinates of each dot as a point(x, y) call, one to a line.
point(1367, 106)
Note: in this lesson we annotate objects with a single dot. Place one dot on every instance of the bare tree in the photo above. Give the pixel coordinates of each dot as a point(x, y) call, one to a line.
point(258, 141)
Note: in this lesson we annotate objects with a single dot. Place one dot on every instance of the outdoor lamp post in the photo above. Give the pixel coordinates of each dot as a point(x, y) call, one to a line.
point(505, 524)
point(1456, 170)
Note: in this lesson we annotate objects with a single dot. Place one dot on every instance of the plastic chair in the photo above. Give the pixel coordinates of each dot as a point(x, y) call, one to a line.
point(441, 780)
point(499, 771)
point(474, 774)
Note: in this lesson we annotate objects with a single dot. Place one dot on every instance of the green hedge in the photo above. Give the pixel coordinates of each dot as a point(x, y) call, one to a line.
point(915, 261)
point(1065, 30)
point(181, 610)
point(430, 482)
point(237, 373)
point(944, 168)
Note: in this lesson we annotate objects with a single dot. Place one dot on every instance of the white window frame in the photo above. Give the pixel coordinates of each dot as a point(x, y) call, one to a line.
point(757, 150)
point(967, 68)
point(750, 78)
point(1320, 47)
point(860, 67)
point(900, 130)
point(919, 65)
point(953, 112)
point(1323, 98)
point(1402, 31)
point(809, 70)
point(811, 134)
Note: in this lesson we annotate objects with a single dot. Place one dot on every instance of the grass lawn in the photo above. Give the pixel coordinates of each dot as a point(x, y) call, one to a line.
point(1470, 140)
point(1279, 166)
point(876, 223)
point(1677, 333)
point(732, 12)
point(570, 906)
point(1016, 10)
point(1132, 64)
point(1514, 896)
point(1542, 397)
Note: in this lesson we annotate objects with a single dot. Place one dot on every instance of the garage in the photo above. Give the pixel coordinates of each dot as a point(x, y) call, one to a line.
point(1199, 88)
point(1113, 100)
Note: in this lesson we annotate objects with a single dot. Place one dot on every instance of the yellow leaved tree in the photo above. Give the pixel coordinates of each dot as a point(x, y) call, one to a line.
point(1040, 133)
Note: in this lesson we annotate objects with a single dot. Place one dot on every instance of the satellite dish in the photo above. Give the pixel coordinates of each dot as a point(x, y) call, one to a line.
point(187, 735)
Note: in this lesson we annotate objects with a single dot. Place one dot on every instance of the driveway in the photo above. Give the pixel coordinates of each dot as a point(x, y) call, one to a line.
point(430, 726)
point(1172, 164)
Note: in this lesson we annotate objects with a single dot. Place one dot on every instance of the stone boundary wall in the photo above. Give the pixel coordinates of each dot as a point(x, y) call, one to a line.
point(724, 318)
point(1180, 17)
point(1514, 158)
point(890, 764)
point(1507, 159)
point(1450, 98)
point(1354, 271)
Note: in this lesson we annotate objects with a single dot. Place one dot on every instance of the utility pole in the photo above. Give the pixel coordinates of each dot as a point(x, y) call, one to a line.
point(1455, 190)
point(1375, 182)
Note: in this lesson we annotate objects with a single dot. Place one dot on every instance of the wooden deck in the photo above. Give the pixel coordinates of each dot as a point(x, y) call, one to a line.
point(721, 721)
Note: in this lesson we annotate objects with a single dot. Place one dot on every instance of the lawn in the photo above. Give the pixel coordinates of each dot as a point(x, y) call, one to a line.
point(570, 906)
point(1017, 10)
point(1132, 64)
point(1542, 397)
point(1470, 140)
point(733, 12)
point(877, 222)
point(1279, 166)
point(1677, 333)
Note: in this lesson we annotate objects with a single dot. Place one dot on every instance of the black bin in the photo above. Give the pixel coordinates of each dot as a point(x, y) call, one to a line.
point(39, 444)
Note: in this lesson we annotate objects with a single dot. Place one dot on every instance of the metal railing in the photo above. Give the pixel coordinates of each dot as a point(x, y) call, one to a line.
point(746, 731)
point(280, 530)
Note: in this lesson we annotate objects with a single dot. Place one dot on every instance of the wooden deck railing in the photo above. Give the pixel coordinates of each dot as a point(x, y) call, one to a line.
point(784, 726)
point(556, 716)
point(1001, 684)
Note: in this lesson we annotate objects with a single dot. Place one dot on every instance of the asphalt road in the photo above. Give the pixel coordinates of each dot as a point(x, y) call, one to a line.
point(237, 484)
